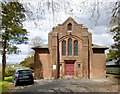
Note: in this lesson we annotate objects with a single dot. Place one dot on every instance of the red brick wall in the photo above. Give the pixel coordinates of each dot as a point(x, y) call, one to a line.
point(98, 66)
point(91, 64)
point(42, 64)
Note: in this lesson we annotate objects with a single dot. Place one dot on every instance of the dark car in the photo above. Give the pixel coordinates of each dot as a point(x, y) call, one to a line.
point(22, 76)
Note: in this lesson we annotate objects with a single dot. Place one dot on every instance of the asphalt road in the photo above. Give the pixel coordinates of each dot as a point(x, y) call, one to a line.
point(70, 85)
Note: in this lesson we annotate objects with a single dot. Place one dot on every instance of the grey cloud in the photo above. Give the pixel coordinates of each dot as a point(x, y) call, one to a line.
point(102, 39)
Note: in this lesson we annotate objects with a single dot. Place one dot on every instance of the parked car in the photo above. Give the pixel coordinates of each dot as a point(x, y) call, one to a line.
point(23, 75)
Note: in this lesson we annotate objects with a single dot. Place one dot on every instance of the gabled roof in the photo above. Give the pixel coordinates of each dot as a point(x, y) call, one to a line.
point(69, 19)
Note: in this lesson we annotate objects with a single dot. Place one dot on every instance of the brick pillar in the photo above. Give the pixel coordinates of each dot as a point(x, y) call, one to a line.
point(85, 54)
point(54, 52)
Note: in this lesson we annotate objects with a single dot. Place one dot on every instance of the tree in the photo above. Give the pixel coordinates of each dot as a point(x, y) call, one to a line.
point(116, 45)
point(111, 55)
point(12, 31)
point(116, 32)
point(28, 62)
point(36, 41)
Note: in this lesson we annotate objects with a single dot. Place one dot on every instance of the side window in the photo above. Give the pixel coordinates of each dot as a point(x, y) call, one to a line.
point(69, 26)
point(75, 47)
point(63, 47)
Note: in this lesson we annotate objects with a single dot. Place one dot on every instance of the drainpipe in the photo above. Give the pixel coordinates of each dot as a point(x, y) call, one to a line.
point(88, 59)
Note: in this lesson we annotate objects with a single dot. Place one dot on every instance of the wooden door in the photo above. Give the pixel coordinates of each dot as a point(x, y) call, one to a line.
point(69, 69)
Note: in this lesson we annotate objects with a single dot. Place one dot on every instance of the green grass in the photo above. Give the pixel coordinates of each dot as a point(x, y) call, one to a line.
point(4, 83)
point(109, 75)
point(115, 70)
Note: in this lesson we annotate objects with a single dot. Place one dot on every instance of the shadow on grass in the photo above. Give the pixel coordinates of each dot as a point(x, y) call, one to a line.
point(114, 75)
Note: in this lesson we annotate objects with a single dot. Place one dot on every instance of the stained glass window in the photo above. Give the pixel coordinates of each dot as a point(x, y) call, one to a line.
point(63, 47)
point(75, 47)
point(70, 46)
point(69, 26)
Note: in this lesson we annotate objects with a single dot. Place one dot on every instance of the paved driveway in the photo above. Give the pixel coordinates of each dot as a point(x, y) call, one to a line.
point(70, 85)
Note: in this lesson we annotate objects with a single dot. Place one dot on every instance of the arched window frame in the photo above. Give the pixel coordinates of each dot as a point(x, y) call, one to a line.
point(76, 48)
point(69, 27)
point(63, 47)
point(69, 46)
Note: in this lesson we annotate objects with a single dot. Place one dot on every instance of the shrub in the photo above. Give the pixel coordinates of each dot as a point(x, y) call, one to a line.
point(9, 72)
point(28, 62)
point(31, 66)
point(8, 79)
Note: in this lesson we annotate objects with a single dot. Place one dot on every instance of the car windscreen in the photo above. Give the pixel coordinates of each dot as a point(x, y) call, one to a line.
point(25, 72)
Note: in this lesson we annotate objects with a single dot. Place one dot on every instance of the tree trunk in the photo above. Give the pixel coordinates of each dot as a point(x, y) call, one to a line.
point(3, 60)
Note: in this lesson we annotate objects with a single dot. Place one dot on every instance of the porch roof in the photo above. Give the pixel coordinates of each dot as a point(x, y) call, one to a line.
point(41, 47)
point(94, 46)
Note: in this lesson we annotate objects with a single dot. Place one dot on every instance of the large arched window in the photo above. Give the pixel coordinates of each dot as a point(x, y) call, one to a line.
point(63, 47)
point(76, 47)
point(69, 26)
point(69, 46)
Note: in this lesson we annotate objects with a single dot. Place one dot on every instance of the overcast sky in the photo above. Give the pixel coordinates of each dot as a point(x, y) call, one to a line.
point(42, 16)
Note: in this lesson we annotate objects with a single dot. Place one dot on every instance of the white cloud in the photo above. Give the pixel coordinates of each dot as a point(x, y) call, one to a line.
point(102, 39)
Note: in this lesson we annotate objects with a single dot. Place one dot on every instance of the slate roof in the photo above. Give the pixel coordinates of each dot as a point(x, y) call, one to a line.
point(98, 46)
point(46, 46)
point(41, 47)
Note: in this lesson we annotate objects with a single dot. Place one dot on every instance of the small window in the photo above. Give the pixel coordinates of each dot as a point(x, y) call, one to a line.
point(69, 26)
point(76, 48)
point(78, 65)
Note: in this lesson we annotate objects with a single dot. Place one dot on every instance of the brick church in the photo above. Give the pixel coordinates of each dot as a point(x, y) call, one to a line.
point(70, 52)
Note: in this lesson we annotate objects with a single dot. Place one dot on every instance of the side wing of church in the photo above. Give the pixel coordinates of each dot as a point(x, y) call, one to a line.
point(70, 52)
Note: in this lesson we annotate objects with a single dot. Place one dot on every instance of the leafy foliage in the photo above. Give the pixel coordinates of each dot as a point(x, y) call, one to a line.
point(12, 31)
point(116, 38)
point(9, 72)
point(28, 62)
point(4, 84)
point(111, 55)
point(115, 52)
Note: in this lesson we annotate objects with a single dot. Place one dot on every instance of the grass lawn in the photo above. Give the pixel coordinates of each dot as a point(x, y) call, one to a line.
point(109, 75)
point(114, 70)
point(3, 84)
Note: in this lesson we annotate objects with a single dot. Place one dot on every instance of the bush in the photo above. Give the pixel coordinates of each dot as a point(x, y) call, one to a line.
point(28, 62)
point(8, 79)
point(31, 66)
point(9, 72)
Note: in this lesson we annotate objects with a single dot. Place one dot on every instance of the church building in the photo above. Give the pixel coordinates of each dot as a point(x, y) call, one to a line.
point(70, 52)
